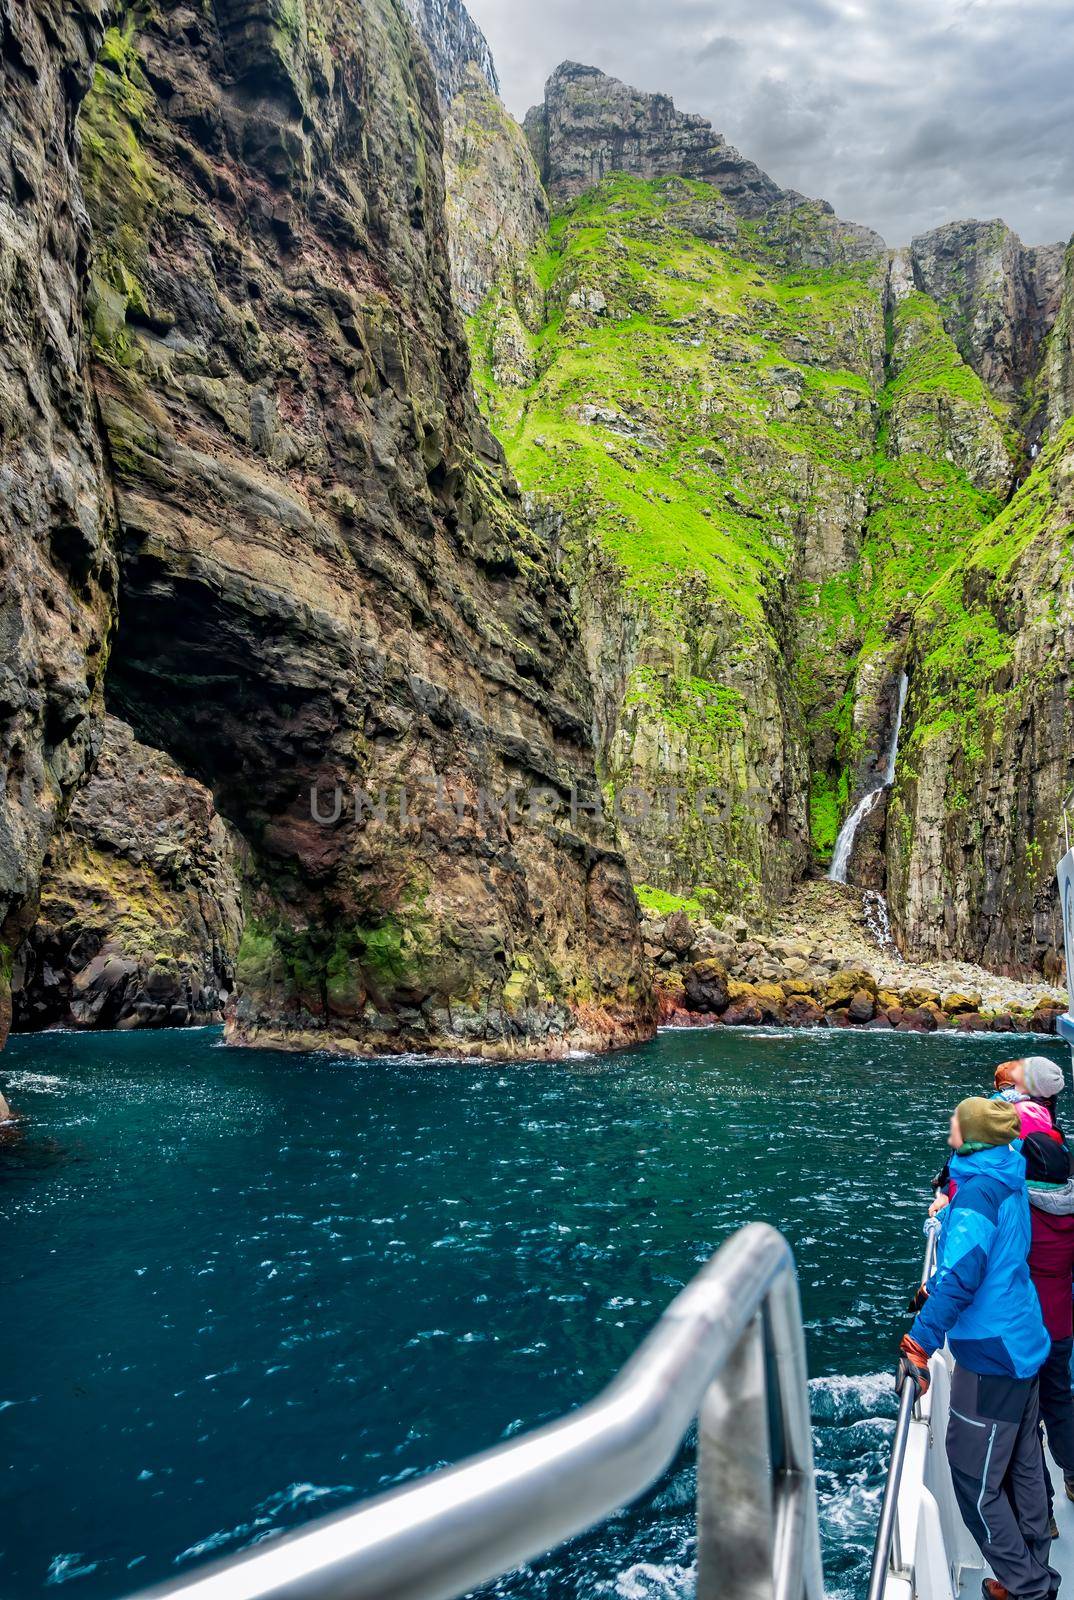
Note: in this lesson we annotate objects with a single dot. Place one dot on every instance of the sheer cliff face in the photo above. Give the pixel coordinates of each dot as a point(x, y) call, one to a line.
point(1058, 364)
point(761, 450)
point(999, 300)
point(56, 568)
point(989, 756)
point(325, 575)
point(496, 208)
point(454, 42)
point(140, 911)
point(668, 360)
point(989, 747)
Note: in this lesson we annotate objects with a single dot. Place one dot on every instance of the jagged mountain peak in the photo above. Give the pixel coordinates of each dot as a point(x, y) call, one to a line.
point(591, 124)
point(999, 297)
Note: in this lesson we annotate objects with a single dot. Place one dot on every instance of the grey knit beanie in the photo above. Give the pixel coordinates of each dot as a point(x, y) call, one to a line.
point(1042, 1078)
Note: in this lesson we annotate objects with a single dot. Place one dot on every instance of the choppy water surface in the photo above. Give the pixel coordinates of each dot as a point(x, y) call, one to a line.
point(240, 1289)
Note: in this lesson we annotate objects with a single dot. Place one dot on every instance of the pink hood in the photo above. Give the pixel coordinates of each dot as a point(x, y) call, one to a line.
point(1033, 1117)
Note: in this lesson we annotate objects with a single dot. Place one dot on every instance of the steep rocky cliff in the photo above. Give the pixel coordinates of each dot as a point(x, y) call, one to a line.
point(998, 299)
point(591, 125)
point(56, 568)
point(454, 42)
point(1058, 364)
point(695, 419)
point(778, 488)
point(140, 913)
point(989, 754)
point(763, 447)
point(767, 467)
point(939, 469)
point(496, 207)
point(327, 579)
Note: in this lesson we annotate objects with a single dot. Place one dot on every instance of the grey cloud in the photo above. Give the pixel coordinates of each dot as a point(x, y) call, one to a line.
point(902, 113)
point(721, 46)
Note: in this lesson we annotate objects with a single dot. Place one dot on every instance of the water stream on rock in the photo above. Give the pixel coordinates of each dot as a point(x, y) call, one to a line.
point(242, 1289)
point(844, 844)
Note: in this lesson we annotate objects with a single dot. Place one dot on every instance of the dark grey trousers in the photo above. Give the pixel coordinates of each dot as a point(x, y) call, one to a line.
point(993, 1445)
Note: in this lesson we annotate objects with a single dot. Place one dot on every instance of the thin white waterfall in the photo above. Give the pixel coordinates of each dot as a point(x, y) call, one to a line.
point(844, 845)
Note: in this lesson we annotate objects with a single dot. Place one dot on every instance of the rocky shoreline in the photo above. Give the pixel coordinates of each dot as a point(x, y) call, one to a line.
point(819, 964)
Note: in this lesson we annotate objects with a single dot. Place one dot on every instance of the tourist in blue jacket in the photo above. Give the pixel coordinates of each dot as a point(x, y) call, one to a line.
point(981, 1300)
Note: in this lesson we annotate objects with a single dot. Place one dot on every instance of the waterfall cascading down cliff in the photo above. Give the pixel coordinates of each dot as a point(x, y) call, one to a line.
point(844, 844)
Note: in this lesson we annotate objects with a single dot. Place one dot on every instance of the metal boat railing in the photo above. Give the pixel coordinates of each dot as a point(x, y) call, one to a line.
point(887, 1557)
point(729, 1351)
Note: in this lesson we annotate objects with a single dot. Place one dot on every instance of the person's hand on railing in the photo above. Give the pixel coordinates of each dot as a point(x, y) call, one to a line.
point(913, 1364)
point(917, 1300)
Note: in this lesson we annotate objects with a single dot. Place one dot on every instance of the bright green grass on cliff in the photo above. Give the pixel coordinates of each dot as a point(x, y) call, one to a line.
point(701, 414)
point(975, 619)
point(657, 412)
point(923, 507)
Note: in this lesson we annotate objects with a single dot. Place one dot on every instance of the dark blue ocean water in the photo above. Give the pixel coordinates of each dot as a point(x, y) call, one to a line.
point(241, 1289)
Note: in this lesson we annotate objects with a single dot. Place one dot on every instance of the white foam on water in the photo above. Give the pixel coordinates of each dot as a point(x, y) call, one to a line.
point(223, 1536)
point(63, 1568)
point(38, 1083)
point(303, 1494)
point(840, 1398)
point(645, 1580)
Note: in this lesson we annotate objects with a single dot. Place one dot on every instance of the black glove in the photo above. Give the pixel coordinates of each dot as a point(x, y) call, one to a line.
point(917, 1300)
point(913, 1364)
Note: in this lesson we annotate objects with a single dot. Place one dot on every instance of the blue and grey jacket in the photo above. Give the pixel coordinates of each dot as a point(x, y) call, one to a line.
point(980, 1297)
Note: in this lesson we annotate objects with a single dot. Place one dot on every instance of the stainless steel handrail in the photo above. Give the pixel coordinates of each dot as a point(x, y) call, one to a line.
point(885, 1557)
point(710, 1356)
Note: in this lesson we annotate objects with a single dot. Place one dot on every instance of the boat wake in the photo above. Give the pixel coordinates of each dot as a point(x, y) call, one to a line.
point(647, 1581)
point(853, 1420)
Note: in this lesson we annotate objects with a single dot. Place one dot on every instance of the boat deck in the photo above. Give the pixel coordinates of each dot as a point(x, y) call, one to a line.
point(1063, 1547)
point(1062, 1557)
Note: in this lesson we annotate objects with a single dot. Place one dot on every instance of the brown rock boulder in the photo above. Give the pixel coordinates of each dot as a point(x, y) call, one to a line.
point(801, 986)
point(956, 1004)
point(743, 1014)
point(706, 987)
point(1044, 1017)
point(766, 998)
point(679, 934)
point(862, 1007)
point(912, 998)
point(917, 1019)
point(841, 988)
point(802, 1012)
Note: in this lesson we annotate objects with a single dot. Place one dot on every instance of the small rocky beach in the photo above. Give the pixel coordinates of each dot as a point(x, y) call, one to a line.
point(823, 961)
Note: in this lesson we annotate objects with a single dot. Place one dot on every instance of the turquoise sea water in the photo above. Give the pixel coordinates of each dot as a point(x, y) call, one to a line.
point(241, 1289)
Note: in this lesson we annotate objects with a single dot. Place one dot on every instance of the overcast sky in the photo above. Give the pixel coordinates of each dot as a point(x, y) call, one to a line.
point(902, 113)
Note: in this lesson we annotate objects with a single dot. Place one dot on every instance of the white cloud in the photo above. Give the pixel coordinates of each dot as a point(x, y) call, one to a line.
point(902, 113)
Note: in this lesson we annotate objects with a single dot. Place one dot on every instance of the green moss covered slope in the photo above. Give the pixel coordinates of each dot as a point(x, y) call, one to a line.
point(754, 473)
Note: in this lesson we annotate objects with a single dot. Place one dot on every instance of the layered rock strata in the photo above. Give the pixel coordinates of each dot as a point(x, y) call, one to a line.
point(140, 915)
point(327, 577)
point(57, 573)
